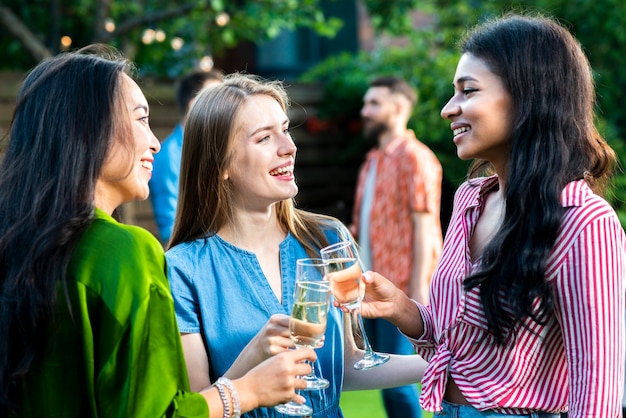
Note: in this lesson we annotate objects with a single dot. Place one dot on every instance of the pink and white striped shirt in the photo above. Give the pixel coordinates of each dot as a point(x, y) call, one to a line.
point(573, 362)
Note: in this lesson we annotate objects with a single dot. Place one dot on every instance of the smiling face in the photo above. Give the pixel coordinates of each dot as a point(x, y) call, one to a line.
point(128, 167)
point(261, 171)
point(481, 112)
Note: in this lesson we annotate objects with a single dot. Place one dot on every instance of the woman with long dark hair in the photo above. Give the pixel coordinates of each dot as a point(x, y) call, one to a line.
point(527, 302)
point(87, 323)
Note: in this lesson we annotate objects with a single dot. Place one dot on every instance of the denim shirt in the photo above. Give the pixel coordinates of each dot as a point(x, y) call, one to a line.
point(220, 291)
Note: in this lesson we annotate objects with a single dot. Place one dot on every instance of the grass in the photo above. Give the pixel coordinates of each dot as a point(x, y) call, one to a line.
point(366, 403)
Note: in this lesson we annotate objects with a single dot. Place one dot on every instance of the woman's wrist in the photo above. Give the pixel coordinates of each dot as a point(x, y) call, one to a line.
point(223, 391)
point(248, 399)
point(224, 384)
point(407, 317)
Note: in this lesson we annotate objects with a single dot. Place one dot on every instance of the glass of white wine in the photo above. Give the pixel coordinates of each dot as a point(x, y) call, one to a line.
point(307, 323)
point(344, 273)
point(311, 270)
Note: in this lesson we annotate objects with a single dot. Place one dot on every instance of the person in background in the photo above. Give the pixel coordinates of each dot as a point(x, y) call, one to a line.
point(164, 182)
point(396, 216)
point(526, 313)
point(236, 240)
point(87, 323)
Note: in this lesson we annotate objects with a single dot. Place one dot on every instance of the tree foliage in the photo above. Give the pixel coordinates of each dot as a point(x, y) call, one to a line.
point(393, 17)
point(205, 27)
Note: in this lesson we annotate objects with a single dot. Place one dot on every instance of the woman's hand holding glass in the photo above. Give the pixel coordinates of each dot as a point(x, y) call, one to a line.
point(272, 339)
point(384, 300)
point(276, 379)
point(381, 297)
point(344, 271)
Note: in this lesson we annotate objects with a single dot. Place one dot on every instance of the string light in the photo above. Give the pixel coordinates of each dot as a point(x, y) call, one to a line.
point(66, 42)
point(177, 43)
point(206, 63)
point(109, 25)
point(159, 35)
point(148, 36)
point(222, 19)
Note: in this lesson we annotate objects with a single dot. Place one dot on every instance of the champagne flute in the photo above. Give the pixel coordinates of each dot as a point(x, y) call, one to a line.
point(344, 274)
point(311, 270)
point(307, 326)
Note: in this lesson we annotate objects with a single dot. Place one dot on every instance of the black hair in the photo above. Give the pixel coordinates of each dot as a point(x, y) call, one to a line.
point(64, 121)
point(554, 141)
point(190, 85)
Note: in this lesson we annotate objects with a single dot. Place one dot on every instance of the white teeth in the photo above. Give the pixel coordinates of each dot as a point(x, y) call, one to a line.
point(282, 170)
point(147, 165)
point(460, 130)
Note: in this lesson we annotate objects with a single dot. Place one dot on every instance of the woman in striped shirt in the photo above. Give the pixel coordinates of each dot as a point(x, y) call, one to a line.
point(527, 303)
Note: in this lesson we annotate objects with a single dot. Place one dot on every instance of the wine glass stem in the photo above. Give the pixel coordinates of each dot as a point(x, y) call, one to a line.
point(358, 319)
point(312, 374)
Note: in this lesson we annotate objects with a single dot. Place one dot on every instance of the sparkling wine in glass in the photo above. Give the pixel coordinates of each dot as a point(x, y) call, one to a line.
point(312, 270)
point(344, 275)
point(307, 323)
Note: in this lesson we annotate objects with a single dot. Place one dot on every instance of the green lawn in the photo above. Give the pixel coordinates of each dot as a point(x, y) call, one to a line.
point(366, 403)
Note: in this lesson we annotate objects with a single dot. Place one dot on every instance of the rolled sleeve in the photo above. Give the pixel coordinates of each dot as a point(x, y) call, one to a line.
point(184, 293)
point(424, 345)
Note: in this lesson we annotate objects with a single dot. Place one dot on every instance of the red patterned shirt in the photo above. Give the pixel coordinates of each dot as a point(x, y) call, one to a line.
point(408, 180)
point(575, 361)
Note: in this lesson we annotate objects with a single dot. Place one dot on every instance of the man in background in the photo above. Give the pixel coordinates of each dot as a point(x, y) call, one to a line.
point(396, 217)
point(166, 169)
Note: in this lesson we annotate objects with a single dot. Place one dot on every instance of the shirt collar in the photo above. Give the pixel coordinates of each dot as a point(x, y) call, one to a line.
point(575, 193)
point(100, 214)
point(485, 185)
point(488, 184)
point(396, 142)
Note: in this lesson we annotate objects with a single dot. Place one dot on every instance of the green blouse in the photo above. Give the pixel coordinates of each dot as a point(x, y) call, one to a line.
point(117, 351)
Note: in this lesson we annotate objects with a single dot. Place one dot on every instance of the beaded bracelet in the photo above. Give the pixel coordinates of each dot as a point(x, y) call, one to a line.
point(220, 388)
point(233, 394)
